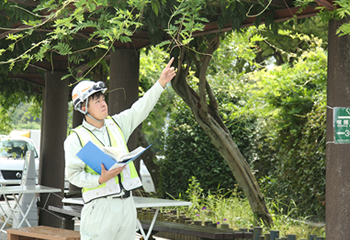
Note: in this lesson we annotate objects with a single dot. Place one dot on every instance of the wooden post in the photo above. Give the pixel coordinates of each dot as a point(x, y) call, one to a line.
point(52, 163)
point(207, 223)
point(238, 235)
point(224, 225)
point(198, 222)
point(77, 120)
point(124, 83)
point(337, 154)
point(274, 234)
point(312, 237)
point(257, 233)
point(291, 237)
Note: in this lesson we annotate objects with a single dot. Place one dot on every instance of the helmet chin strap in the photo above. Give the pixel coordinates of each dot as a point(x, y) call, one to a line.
point(88, 114)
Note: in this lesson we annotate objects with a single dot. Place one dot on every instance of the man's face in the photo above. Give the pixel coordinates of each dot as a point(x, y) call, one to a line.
point(98, 107)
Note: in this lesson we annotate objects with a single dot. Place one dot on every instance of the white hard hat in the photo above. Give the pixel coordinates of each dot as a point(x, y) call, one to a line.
point(83, 90)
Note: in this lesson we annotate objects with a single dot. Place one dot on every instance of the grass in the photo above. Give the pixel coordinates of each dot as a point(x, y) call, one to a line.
point(233, 208)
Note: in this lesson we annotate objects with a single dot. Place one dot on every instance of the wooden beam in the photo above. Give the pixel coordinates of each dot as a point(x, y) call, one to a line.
point(325, 3)
point(289, 13)
point(280, 16)
point(35, 78)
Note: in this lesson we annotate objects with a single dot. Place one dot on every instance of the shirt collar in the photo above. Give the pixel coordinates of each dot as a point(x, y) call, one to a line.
point(92, 128)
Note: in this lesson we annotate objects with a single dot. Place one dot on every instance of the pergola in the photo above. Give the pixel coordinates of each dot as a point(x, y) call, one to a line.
point(285, 10)
point(124, 62)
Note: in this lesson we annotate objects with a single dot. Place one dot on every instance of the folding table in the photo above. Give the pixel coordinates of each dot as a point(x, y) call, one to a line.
point(4, 183)
point(142, 202)
point(17, 193)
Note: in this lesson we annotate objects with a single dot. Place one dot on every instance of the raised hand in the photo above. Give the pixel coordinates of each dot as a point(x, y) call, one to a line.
point(167, 74)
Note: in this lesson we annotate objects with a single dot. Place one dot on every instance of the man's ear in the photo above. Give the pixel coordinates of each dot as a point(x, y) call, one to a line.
point(83, 106)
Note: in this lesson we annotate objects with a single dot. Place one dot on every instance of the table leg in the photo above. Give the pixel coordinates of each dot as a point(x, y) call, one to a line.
point(13, 211)
point(24, 215)
point(146, 237)
point(141, 228)
point(20, 209)
point(7, 218)
point(2, 209)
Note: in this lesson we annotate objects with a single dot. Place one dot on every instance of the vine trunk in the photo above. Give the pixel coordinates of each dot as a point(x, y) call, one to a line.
point(207, 115)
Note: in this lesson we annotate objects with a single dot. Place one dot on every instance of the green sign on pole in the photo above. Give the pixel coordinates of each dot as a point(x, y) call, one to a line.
point(341, 125)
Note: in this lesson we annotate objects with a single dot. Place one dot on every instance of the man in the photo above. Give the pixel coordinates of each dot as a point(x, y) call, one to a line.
point(108, 213)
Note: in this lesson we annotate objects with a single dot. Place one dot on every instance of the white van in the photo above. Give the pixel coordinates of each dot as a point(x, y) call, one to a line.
point(12, 156)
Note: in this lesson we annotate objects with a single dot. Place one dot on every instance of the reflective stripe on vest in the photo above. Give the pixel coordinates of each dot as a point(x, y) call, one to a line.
point(129, 177)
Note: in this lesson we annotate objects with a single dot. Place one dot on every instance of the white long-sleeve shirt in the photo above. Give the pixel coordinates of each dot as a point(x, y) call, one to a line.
point(127, 120)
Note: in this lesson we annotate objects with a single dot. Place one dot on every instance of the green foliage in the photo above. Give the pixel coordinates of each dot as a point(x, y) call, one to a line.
point(218, 206)
point(111, 24)
point(288, 43)
point(68, 24)
point(13, 93)
point(276, 117)
point(189, 152)
point(237, 53)
point(343, 11)
point(27, 116)
point(152, 62)
point(255, 48)
point(233, 208)
point(293, 103)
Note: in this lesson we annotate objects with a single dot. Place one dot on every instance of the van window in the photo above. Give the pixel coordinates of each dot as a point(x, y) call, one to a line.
point(16, 148)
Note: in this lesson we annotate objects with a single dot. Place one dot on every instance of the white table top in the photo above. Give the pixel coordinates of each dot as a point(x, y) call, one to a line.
point(27, 189)
point(140, 202)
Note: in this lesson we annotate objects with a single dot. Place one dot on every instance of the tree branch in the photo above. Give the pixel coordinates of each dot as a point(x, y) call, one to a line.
point(213, 45)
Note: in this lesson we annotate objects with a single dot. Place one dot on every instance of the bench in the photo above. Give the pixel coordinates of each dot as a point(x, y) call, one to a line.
point(202, 232)
point(42, 232)
point(67, 211)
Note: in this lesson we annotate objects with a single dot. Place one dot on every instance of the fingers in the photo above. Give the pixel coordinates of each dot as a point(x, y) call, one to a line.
point(103, 166)
point(167, 74)
point(119, 169)
point(172, 71)
point(108, 174)
point(170, 62)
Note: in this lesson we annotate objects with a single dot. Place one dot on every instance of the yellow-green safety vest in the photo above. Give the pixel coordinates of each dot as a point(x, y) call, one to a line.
point(129, 177)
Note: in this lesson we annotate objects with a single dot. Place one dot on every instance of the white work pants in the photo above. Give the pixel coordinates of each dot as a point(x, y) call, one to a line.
point(109, 219)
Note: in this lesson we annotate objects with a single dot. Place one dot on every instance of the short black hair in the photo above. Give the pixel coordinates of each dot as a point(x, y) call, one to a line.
point(96, 94)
